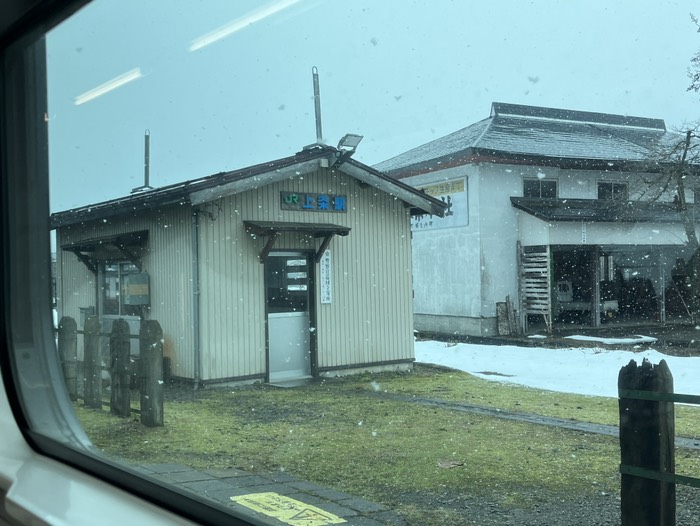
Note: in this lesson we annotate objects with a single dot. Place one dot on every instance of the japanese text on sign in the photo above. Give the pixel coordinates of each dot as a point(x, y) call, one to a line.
point(287, 510)
point(454, 195)
point(313, 202)
point(326, 278)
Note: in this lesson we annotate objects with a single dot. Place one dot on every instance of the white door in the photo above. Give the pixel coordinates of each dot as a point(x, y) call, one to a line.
point(288, 284)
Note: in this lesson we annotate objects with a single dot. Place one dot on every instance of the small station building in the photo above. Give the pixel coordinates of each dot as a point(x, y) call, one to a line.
point(292, 268)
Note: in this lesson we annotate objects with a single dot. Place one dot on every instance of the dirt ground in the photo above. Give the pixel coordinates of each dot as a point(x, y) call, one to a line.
point(544, 508)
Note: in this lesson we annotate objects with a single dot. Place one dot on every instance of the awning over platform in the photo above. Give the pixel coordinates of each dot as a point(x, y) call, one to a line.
point(272, 229)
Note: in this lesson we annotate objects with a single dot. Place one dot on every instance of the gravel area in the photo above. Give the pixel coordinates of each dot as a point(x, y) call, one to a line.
point(552, 510)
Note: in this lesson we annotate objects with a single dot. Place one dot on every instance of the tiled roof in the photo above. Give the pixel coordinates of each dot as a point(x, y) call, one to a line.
point(536, 132)
point(444, 147)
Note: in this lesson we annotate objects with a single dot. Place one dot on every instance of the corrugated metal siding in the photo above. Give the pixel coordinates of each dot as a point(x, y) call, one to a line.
point(75, 287)
point(370, 319)
point(167, 260)
point(232, 304)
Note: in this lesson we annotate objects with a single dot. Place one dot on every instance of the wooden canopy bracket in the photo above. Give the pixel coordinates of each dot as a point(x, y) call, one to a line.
point(323, 247)
point(268, 246)
point(87, 261)
point(129, 255)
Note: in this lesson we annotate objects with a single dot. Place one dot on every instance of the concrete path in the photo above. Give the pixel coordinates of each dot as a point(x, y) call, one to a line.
point(277, 499)
point(530, 418)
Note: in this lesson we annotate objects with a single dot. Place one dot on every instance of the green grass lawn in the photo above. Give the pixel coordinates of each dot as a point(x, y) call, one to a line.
point(385, 449)
point(457, 386)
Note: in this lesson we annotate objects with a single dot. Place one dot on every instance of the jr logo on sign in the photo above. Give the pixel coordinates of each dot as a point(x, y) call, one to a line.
point(308, 202)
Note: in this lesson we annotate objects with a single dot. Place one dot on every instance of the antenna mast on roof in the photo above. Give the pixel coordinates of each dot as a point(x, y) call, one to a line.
point(317, 106)
point(146, 164)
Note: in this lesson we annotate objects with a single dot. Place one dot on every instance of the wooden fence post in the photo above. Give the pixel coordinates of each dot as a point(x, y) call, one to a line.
point(119, 346)
point(647, 436)
point(68, 354)
point(151, 370)
point(92, 363)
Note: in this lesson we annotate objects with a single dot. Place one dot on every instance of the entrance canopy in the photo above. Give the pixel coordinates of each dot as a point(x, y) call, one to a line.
point(272, 230)
point(119, 246)
point(598, 210)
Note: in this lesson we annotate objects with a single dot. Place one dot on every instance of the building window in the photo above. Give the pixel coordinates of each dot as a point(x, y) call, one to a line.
point(115, 277)
point(543, 188)
point(610, 191)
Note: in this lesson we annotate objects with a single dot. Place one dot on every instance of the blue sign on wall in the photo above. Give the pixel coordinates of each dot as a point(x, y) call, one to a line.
point(313, 202)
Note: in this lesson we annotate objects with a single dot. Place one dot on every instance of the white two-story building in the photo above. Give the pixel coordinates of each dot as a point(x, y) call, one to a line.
point(547, 221)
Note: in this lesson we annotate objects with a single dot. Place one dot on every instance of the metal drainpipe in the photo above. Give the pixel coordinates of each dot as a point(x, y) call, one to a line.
point(195, 295)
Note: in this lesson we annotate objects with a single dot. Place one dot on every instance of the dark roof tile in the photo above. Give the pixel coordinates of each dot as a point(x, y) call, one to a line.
point(537, 133)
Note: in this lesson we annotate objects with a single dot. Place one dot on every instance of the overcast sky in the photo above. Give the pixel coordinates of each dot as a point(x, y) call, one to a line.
point(398, 72)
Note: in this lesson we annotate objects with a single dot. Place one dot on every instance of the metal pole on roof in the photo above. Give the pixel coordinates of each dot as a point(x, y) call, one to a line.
point(317, 105)
point(146, 160)
point(146, 164)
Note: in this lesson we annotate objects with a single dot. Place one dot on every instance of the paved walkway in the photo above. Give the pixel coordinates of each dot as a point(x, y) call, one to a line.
point(277, 499)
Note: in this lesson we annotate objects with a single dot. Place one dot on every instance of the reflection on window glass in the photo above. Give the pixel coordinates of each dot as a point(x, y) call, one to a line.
point(117, 293)
point(287, 284)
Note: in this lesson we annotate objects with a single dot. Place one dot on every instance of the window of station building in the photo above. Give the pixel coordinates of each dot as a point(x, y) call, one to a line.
point(114, 283)
point(613, 191)
point(287, 284)
point(542, 188)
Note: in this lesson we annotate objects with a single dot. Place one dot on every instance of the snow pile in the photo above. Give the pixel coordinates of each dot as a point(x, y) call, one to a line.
point(587, 371)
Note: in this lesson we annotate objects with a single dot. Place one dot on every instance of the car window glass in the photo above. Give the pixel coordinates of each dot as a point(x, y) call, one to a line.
point(270, 221)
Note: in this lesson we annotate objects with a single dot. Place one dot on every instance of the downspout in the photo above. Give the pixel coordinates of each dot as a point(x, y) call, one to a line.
point(195, 296)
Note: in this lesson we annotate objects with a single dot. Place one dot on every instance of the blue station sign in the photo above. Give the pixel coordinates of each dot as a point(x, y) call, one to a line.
point(313, 202)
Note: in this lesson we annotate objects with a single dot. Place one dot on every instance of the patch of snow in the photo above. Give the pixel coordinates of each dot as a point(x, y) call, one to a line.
point(612, 341)
point(586, 371)
point(538, 337)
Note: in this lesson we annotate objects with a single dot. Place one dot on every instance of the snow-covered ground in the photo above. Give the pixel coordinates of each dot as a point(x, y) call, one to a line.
point(589, 371)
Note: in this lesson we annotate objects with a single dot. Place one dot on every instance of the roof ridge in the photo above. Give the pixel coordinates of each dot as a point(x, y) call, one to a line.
point(541, 112)
point(378, 166)
point(483, 132)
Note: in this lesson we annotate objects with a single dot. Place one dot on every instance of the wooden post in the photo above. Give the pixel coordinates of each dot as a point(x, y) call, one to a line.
point(647, 436)
point(119, 345)
point(92, 363)
point(68, 354)
point(151, 371)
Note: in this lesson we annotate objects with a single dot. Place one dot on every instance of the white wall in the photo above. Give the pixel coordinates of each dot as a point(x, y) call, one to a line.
point(572, 233)
point(461, 273)
point(446, 261)
point(499, 232)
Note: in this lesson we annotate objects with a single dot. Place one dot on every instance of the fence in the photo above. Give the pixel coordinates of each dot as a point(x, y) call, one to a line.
point(149, 366)
point(647, 444)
